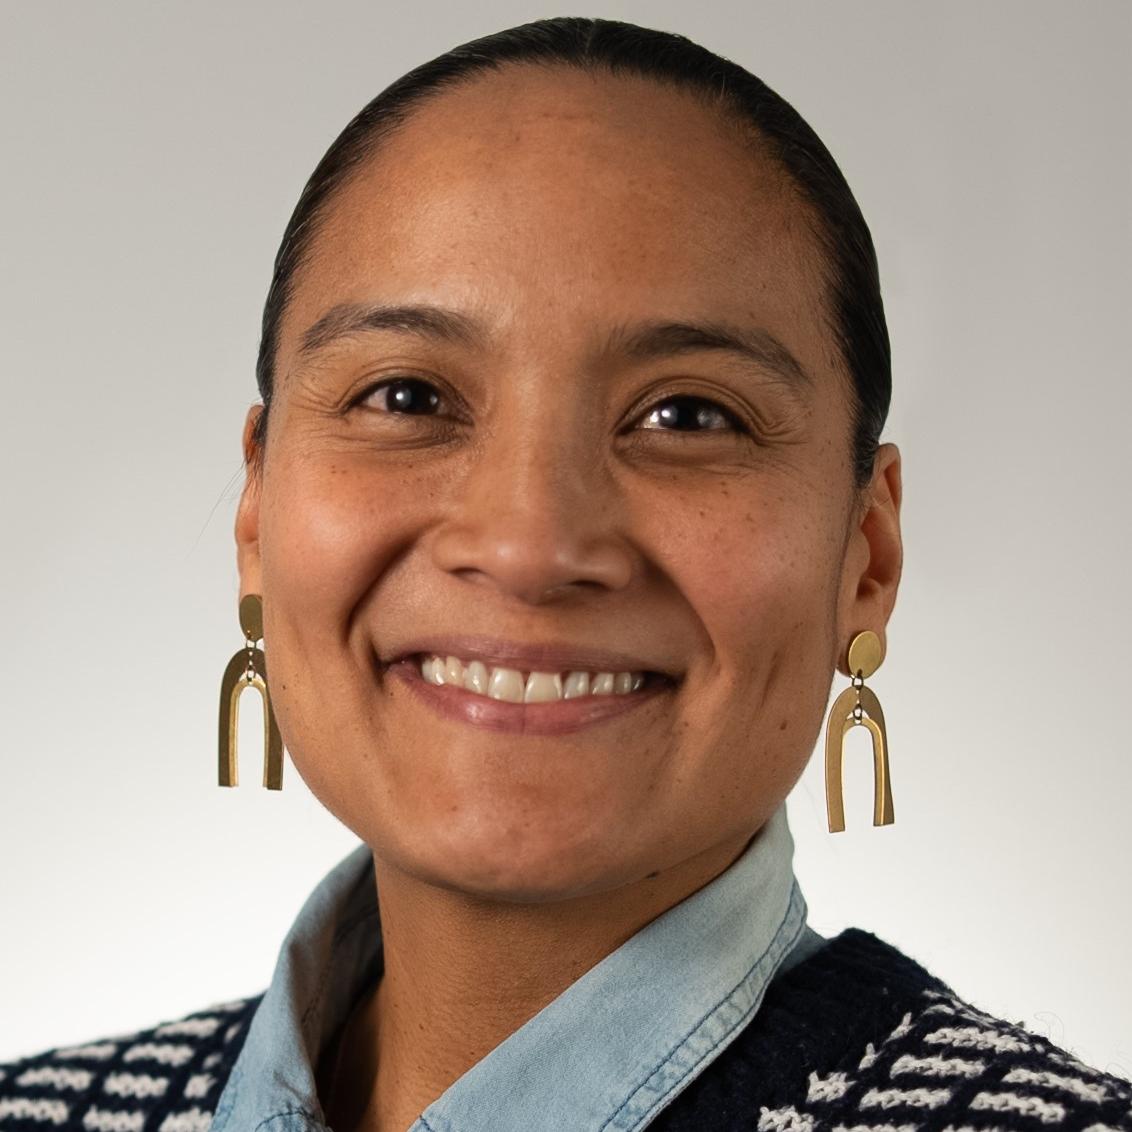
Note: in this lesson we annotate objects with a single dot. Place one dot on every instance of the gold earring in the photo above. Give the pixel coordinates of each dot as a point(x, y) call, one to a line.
point(248, 669)
point(858, 706)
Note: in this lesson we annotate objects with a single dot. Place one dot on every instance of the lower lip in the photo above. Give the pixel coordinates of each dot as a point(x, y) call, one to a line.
point(555, 717)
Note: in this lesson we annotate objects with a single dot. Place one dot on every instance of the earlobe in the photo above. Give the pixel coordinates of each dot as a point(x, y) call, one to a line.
point(247, 511)
point(875, 559)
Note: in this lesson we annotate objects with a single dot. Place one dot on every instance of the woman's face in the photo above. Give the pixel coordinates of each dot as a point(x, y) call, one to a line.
point(613, 422)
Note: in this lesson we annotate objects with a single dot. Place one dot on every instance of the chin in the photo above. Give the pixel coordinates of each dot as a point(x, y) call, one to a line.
point(522, 861)
point(495, 838)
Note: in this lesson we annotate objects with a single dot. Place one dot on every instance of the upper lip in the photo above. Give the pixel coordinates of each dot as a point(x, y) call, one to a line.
point(544, 656)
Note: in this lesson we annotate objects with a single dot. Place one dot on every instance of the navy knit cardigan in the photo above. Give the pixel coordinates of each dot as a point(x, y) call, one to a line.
point(856, 1038)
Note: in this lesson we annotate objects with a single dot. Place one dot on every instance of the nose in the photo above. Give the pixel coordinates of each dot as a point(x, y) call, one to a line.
point(537, 518)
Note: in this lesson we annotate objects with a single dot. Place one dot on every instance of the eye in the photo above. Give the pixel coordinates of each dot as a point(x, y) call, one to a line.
point(687, 413)
point(411, 396)
point(408, 395)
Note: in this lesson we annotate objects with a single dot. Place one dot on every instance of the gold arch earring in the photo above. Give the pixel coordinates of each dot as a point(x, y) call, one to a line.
point(248, 669)
point(858, 706)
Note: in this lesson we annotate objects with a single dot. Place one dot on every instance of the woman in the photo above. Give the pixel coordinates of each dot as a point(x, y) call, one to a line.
point(564, 501)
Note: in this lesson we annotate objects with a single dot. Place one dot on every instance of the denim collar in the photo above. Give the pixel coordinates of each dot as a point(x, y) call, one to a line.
point(606, 1055)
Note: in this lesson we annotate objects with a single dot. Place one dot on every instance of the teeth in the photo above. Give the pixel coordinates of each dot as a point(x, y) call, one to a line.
point(577, 684)
point(476, 676)
point(506, 684)
point(602, 684)
point(512, 686)
point(542, 687)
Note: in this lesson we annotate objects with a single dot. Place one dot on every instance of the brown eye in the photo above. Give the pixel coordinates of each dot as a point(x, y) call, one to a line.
point(408, 395)
point(686, 413)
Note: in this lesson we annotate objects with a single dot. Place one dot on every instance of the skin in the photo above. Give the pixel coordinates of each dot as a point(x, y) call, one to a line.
point(546, 500)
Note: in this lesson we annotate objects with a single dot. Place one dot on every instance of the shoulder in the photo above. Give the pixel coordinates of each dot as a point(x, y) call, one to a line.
point(948, 1064)
point(167, 1078)
point(861, 1035)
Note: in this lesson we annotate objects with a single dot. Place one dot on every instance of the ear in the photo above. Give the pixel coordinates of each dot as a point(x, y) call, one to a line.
point(247, 512)
point(874, 556)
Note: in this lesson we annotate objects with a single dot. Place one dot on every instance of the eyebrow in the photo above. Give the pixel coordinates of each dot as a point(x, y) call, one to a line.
point(665, 339)
point(640, 341)
point(348, 319)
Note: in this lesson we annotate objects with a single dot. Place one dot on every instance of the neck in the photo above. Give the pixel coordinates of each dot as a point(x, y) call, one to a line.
point(462, 973)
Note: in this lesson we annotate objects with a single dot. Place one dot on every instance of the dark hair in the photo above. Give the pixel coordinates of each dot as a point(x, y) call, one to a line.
point(855, 310)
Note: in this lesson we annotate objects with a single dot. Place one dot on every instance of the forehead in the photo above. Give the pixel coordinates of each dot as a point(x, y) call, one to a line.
point(554, 204)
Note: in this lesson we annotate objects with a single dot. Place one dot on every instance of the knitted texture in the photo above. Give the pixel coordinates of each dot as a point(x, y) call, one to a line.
point(165, 1079)
point(856, 1038)
point(861, 1038)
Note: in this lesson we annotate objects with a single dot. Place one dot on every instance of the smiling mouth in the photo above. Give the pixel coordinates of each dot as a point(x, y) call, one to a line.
point(496, 700)
point(526, 686)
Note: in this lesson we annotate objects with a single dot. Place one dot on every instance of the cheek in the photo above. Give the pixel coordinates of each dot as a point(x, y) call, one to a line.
point(328, 532)
point(752, 560)
point(758, 567)
point(333, 528)
point(322, 531)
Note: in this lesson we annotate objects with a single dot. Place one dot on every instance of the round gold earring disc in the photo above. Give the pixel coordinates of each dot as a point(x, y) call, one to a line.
point(865, 654)
point(251, 616)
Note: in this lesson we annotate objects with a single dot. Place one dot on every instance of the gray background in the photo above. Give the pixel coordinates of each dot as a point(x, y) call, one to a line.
point(151, 155)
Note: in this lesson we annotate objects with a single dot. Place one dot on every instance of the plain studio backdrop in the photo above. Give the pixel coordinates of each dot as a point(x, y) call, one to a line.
point(151, 156)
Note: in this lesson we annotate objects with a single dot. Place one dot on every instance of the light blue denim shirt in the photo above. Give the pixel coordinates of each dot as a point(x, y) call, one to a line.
point(607, 1054)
